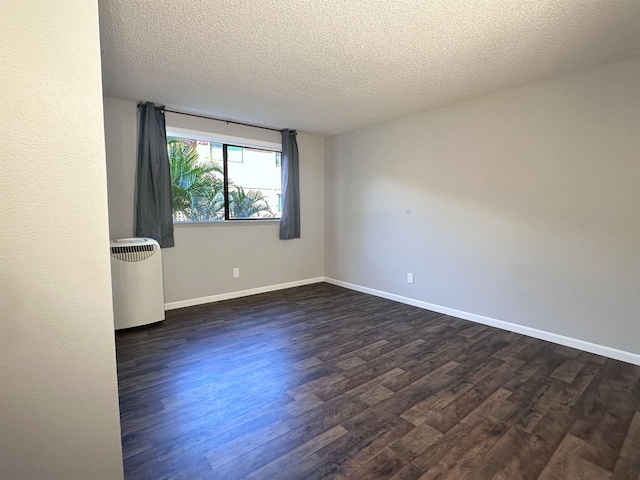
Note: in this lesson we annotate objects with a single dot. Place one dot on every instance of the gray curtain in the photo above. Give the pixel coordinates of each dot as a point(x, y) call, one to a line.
point(290, 220)
point(153, 179)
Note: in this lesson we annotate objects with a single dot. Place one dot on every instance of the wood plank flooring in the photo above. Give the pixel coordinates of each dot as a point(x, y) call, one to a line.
point(320, 382)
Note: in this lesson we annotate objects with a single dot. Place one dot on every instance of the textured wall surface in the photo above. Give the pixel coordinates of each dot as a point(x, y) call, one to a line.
point(522, 206)
point(201, 264)
point(328, 67)
point(58, 393)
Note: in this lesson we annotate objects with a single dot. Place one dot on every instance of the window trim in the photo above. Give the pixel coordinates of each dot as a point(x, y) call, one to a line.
point(225, 141)
point(231, 140)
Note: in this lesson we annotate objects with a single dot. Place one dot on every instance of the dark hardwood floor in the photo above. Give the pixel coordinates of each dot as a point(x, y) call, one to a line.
point(323, 382)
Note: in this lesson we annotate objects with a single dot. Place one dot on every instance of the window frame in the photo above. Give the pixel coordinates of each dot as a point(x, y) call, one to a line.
point(226, 141)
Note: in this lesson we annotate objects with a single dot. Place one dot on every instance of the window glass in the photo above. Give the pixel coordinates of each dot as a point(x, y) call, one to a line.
point(254, 184)
point(235, 154)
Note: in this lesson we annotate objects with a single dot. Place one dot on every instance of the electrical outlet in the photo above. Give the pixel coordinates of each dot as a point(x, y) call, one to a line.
point(236, 272)
point(409, 277)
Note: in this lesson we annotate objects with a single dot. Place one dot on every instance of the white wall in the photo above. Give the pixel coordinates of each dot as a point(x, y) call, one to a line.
point(522, 206)
point(201, 264)
point(58, 391)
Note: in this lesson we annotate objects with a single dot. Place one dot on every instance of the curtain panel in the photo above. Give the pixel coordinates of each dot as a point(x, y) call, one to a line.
point(153, 179)
point(290, 219)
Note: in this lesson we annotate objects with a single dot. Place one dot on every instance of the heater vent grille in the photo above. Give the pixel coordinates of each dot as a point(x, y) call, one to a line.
point(133, 253)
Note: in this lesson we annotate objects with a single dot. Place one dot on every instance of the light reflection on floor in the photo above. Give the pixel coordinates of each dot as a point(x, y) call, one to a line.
point(211, 388)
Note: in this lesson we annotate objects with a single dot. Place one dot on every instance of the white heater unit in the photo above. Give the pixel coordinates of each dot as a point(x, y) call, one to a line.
point(136, 278)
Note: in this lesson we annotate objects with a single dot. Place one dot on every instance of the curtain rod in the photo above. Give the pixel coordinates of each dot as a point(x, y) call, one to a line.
point(217, 119)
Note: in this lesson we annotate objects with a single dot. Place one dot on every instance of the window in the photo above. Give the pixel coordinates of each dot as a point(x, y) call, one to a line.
point(217, 181)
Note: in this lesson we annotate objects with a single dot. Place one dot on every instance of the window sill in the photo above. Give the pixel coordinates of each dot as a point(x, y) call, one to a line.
point(227, 223)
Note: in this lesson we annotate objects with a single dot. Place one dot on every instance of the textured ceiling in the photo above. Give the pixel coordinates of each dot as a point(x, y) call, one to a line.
point(330, 66)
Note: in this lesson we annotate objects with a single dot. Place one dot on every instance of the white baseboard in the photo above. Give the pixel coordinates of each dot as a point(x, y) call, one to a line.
point(492, 322)
point(240, 293)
